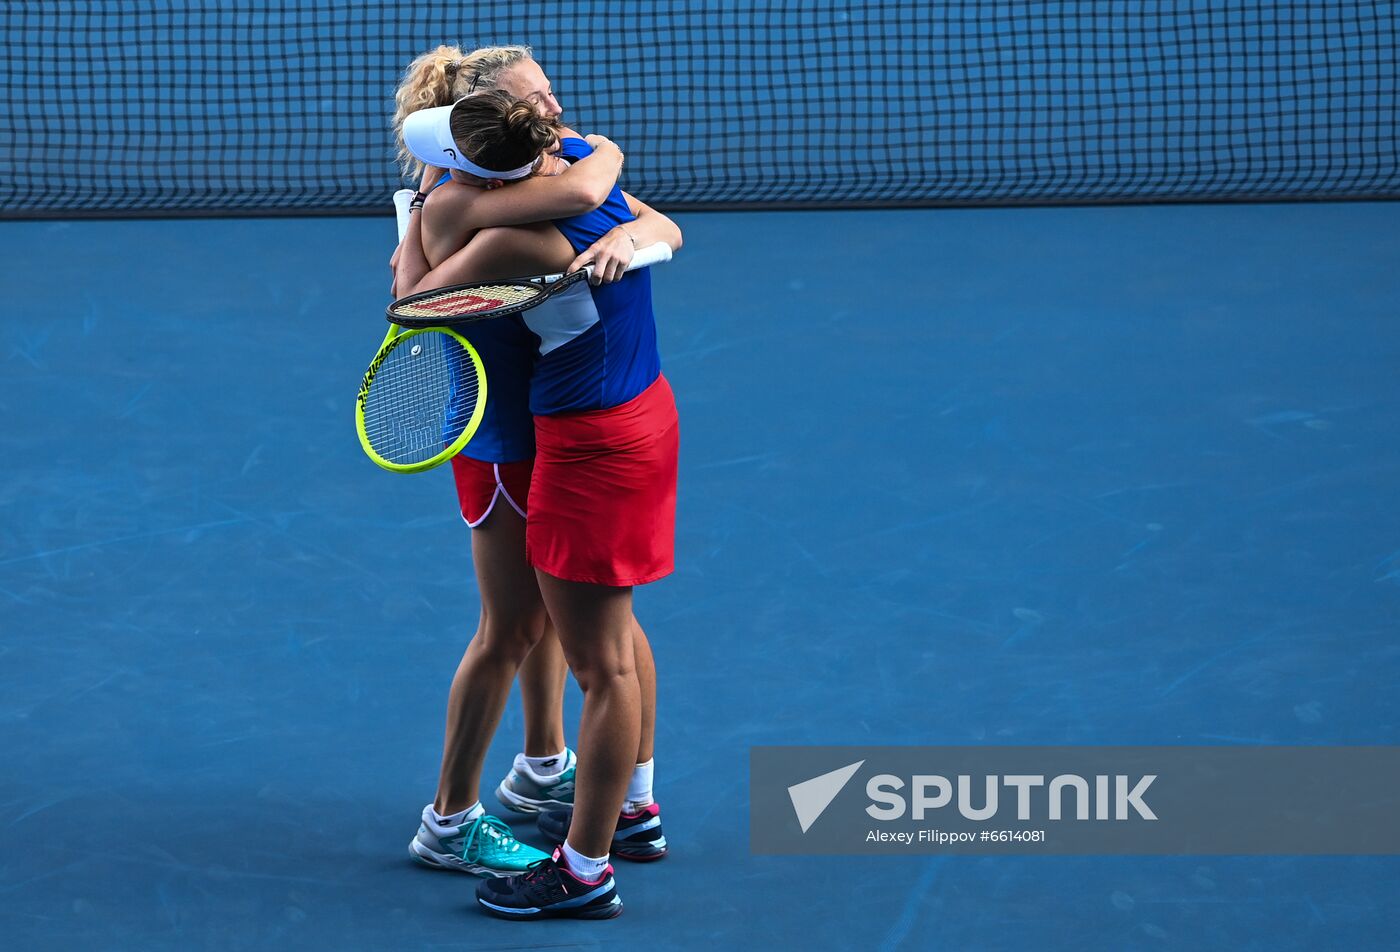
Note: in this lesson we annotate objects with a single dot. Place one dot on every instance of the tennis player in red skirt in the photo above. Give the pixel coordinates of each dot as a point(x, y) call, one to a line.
point(600, 520)
point(492, 475)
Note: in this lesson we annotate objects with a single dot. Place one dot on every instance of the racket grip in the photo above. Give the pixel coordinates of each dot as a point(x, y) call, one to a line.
point(658, 253)
point(402, 199)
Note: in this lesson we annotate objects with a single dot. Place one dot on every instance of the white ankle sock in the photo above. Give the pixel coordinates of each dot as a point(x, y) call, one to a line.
point(457, 819)
point(586, 868)
point(639, 787)
point(551, 766)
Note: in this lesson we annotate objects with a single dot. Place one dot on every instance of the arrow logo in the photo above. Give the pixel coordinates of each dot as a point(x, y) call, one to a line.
point(810, 798)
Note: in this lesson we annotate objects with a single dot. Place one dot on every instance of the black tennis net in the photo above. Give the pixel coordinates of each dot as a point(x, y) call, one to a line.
point(154, 106)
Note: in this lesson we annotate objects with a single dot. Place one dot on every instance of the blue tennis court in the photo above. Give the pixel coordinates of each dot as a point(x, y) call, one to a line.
point(1117, 475)
point(1038, 373)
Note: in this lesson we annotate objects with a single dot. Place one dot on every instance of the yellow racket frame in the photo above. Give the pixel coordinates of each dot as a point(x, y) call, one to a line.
point(396, 336)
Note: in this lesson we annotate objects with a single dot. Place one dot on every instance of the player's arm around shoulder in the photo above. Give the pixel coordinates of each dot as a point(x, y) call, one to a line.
point(576, 190)
point(611, 254)
point(652, 226)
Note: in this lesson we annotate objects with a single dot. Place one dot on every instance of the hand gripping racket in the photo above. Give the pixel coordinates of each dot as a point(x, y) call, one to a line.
point(424, 393)
point(466, 303)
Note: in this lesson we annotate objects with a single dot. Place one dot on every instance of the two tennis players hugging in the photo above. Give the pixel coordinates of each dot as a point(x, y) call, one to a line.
point(569, 484)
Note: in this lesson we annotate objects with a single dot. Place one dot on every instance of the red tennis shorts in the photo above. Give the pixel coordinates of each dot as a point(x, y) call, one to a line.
point(480, 485)
point(603, 495)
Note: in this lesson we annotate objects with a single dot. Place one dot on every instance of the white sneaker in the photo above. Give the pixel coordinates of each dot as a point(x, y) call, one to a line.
point(525, 791)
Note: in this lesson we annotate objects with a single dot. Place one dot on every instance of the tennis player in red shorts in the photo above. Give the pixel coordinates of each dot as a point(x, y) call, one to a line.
point(482, 485)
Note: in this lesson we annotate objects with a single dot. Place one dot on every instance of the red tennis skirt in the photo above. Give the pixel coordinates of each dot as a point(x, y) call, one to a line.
point(480, 486)
point(603, 493)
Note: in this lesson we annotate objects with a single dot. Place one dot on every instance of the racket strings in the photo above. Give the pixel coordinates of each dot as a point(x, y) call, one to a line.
point(468, 301)
point(421, 398)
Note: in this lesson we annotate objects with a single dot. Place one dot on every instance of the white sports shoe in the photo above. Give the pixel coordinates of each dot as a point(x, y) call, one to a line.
point(525, 791)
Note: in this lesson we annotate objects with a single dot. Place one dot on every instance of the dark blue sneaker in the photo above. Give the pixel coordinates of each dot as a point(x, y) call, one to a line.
point(550, 890)
point(638, 835)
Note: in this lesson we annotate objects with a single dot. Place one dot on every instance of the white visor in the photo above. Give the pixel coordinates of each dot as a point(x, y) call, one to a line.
point(428, 135)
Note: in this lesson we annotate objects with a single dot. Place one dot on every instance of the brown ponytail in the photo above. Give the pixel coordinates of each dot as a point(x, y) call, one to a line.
point(524, 122)
point(497, 131)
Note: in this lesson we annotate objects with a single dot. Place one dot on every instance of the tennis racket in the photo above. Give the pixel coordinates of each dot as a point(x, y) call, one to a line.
point(467, 303)
point(424, 394)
